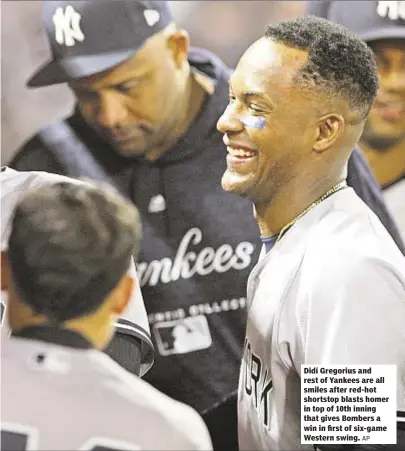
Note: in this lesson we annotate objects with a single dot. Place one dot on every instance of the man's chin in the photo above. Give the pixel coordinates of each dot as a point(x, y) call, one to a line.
point(131, 153)
point(234, 183)
point(129, 150)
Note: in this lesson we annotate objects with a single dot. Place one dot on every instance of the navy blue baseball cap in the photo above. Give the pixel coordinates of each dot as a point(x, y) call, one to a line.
point(371, 20)
point(90, 36)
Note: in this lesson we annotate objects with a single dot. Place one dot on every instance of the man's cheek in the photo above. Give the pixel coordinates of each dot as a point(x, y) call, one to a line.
point(87, 110)
point(254, 122)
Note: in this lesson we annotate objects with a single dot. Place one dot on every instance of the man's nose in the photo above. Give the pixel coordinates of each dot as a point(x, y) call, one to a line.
point(230, 121)
point(111, 110)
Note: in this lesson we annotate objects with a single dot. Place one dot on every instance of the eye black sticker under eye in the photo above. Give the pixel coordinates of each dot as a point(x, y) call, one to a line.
point(254, 122)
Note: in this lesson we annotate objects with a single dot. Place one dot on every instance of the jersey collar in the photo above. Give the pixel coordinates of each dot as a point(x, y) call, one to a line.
point(49, 334)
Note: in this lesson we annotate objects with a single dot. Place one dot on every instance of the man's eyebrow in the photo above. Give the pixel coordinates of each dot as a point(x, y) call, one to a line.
point(254, 94)
point(257, 94)
point(250, 93)
point(132, 79)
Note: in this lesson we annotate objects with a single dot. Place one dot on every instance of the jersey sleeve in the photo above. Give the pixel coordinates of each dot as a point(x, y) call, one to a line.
point(355, 314)
point(194, 430)
point(134, 322)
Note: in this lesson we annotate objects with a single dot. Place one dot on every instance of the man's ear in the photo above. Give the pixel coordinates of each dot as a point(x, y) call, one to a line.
point(4, 271)
point(329, 130)
point(123, 294)
point(179, 45)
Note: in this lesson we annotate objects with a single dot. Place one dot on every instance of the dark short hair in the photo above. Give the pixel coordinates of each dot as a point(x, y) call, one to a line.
point(69, 246)
point(339, 63)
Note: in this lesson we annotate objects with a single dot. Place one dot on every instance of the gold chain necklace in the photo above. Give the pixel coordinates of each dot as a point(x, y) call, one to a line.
point(333, 190)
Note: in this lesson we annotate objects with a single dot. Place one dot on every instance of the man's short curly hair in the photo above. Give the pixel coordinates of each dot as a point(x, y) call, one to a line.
point(69, 247)
point(339, 63)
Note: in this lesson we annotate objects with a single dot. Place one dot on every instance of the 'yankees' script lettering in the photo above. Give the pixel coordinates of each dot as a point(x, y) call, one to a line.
point(187, 263)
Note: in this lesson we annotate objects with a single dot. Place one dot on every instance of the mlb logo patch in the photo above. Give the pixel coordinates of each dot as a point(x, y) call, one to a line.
point(183, 335)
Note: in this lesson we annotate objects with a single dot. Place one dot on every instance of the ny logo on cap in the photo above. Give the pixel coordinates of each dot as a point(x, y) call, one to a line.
point(67, 26)
point(394, 10)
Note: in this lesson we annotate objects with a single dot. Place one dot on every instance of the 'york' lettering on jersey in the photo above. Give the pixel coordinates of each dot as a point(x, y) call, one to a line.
point(187, 263)
point(257, 383)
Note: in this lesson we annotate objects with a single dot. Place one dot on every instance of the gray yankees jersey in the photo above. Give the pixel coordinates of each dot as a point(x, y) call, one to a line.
point(13, 185)
point(331, 291)
point(59, 397)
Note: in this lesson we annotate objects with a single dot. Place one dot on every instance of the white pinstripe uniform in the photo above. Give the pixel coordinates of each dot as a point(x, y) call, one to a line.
point(13, 186)
point(331, 291)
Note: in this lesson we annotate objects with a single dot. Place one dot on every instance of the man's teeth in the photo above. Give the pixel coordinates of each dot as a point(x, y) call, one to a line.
point(240, 152)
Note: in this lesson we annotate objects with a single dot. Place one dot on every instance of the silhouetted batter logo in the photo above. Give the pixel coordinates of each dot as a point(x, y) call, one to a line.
point(183, 335)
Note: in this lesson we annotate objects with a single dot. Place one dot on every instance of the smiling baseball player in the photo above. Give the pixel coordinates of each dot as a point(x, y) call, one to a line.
point(330, 285)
